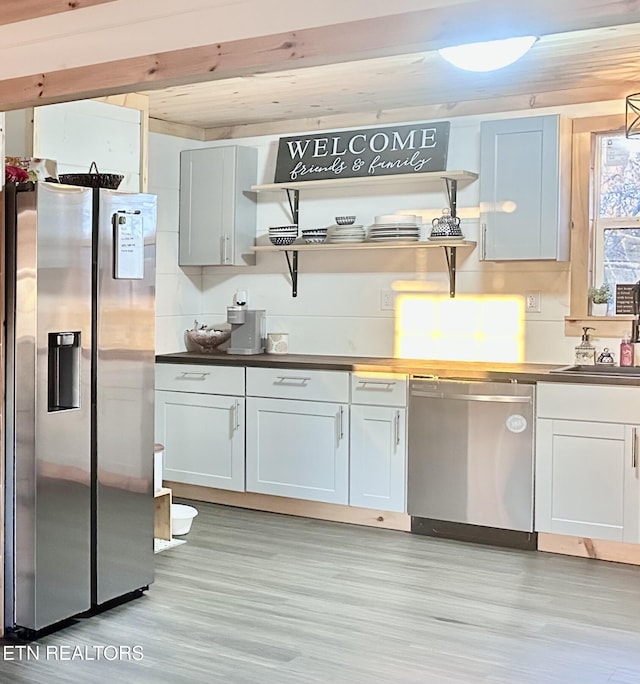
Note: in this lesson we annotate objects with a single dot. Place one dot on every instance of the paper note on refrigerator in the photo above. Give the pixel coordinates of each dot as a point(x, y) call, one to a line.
point(128, 246)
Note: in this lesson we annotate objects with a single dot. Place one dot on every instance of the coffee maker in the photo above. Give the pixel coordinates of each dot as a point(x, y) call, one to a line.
point(248, 327)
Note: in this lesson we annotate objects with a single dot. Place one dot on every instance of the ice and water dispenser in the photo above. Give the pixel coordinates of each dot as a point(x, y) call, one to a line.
point(64, 370)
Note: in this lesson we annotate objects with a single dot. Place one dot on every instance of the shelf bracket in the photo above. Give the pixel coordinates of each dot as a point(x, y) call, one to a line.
point(294, 205)
point(452, 195)
point(450, 254)
point(292, 263)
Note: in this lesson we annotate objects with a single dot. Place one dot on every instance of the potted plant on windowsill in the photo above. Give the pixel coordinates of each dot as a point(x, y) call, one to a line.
point(599, 298)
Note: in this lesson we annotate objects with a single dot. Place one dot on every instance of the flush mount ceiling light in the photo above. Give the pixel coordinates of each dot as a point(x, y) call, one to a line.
point(489, 55)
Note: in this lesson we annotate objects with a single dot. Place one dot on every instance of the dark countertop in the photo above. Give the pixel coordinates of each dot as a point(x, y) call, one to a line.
point(522, 372)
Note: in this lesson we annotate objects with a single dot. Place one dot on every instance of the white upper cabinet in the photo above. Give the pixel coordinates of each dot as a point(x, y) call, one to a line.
point(217, 212)
point(525, 169)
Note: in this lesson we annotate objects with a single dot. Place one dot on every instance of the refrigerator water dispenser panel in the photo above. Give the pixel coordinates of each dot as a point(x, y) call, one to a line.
point(64, 371)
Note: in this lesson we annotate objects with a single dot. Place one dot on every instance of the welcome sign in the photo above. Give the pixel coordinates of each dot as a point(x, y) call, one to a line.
point(415, 148)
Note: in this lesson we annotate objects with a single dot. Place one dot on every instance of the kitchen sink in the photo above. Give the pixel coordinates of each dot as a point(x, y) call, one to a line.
point(601, 371)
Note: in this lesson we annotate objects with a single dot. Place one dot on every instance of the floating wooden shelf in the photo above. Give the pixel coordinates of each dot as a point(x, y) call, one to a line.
point(429, 178)
point(420, 244)
point(450, 250)
point(450, 179)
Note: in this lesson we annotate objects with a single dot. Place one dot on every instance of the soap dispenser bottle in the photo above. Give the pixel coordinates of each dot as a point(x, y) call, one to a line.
point(585, 351)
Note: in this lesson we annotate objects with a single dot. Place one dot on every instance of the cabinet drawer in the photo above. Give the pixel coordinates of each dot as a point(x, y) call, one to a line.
point(379, 389)
point(600, 403)
point(283, 383)
point(182, 377)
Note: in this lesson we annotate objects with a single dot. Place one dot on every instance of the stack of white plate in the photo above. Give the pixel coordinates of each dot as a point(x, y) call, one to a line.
point(352, 233)
point(395, 228)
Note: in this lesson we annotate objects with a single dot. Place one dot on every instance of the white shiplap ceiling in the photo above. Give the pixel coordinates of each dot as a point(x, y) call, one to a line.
point(581, 66)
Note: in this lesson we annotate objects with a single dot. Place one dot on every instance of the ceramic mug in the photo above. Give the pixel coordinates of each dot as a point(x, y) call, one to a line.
point(277, 343)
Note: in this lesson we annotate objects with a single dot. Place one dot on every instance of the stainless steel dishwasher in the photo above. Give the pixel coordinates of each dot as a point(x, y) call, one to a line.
point(471, 447)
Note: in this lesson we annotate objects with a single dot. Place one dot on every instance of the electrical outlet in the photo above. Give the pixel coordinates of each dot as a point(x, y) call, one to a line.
point(532, 302)
point(386, 300)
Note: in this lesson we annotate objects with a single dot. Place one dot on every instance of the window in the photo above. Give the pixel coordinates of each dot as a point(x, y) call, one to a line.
point(616, 211)
point(587, 253)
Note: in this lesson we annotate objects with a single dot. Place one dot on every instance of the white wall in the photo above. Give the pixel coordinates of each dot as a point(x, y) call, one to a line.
point(75, 134)
point(178, 290)
point(337, 310)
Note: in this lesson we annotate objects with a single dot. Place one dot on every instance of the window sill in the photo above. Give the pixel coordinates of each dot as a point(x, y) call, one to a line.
point(605, 326)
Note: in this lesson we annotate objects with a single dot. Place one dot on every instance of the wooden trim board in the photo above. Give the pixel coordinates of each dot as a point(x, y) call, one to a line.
point(304, 509)
point(177, 130)
point(403, 33)
point(584, 130)
point(13, 11)
point(584, 547)
point(162, 516)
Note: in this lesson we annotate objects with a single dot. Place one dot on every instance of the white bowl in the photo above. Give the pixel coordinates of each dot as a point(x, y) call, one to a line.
point(181, 518)
point(282, 240)
point(345, 220)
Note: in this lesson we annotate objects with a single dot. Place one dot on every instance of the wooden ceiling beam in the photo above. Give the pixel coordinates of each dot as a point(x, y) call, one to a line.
point(13, 11)
point(382, 36)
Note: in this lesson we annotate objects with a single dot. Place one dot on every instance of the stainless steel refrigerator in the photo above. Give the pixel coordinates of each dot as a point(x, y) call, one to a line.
point(80, 327)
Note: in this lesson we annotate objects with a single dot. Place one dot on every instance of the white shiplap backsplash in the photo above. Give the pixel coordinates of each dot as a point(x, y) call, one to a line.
point(337, 310)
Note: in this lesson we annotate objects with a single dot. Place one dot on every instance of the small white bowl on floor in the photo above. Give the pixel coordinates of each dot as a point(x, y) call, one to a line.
point(181, 518)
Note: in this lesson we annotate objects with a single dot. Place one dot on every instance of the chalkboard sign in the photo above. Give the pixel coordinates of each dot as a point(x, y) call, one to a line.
point(408, 149)
point(624, 299)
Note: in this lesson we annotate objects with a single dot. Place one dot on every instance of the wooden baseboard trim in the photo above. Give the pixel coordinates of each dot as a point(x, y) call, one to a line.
point(598, 549)
point(305, 509)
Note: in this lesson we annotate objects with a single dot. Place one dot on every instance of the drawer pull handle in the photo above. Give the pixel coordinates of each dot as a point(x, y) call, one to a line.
point(284, 380)
point(376, 385)
point(189, 375)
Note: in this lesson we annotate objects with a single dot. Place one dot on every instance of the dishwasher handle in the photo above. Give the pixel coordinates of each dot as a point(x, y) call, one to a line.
point(493, 398)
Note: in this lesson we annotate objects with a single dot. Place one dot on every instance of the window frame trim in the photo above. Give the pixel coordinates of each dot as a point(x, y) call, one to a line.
point(584, 131)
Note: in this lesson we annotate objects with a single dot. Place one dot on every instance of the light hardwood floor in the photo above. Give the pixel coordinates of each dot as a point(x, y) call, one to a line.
point(259, 598)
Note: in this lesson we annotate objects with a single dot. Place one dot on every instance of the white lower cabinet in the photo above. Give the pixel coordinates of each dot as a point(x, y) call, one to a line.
point(378, 457)
point(200, 422)
point(587, 471)
point(203, 438)
point(298, 449)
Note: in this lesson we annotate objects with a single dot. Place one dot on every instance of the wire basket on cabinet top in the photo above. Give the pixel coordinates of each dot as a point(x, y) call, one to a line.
point(93, 179)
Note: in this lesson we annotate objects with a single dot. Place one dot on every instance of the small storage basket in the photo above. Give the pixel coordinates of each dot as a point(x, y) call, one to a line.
point(93, 179)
